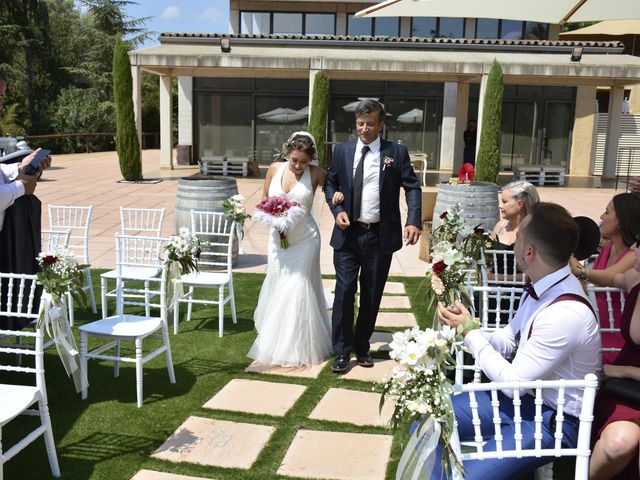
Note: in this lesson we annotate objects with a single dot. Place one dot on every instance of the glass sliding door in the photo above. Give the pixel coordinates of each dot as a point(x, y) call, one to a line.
point(277, 117)
point(223, 125)
point(556, 132)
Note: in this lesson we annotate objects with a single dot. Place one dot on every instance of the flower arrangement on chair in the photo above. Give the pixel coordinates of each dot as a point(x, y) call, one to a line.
point(235, 211)
point(60, 274)
point(421, 391)
point(184, 249)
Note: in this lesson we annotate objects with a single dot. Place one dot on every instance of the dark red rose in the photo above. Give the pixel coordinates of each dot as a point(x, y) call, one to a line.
point(438, 267)
point(443, 214)
point(50, 259)
point(478, 231)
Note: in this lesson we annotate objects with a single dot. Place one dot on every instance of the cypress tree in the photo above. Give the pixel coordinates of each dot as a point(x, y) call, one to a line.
point(318, 120)
point(488, 161)
point(127, 144)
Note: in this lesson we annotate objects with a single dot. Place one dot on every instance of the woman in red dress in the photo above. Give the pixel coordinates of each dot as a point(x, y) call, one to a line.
point(617, 422)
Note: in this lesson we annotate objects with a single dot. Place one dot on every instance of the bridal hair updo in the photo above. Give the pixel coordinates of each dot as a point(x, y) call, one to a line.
point(302, 143)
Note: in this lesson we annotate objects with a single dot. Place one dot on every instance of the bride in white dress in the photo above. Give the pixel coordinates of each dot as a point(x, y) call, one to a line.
point(294, 327)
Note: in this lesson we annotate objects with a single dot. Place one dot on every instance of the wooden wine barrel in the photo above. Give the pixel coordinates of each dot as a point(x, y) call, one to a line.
point(204, 193)
point(478, 202)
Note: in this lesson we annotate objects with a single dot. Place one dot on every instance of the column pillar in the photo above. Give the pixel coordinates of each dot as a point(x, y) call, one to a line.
point(448, 137)
point(582, 150)
point(613, 132)
point(136, 77)
point(315, 67)
point(185, 111)
point(483, 89)
point(166, 128)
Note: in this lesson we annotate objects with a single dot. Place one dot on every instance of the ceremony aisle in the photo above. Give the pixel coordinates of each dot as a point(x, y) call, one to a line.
point(219, 420)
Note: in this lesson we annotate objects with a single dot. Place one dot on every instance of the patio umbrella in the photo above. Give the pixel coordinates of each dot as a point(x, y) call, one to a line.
point(412, 116)
point(351, 107)
point(546, 11)
point(283, 115)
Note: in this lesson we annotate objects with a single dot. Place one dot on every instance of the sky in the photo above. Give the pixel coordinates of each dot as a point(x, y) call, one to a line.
point(184, 16)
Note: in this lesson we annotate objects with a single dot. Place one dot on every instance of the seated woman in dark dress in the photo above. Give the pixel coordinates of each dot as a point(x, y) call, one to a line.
point(616, 426)
point(516, 200)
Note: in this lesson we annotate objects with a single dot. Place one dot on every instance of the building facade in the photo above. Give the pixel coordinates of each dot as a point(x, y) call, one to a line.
point(242, 94)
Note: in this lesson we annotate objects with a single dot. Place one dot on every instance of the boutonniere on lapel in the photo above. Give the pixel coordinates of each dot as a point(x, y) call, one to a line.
point(388, 163)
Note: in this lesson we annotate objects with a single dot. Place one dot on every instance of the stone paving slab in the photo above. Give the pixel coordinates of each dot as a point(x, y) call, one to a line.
point(353, 406)
point(255, 396)
point(394, 302)
point(379, 341)
point(298, 372)
point(216, 443)
point(313, 454)
point(152, 475)
point(396, 319)
point(380, 371)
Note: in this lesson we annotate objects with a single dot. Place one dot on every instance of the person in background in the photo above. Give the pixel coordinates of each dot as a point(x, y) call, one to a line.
point(469, 136)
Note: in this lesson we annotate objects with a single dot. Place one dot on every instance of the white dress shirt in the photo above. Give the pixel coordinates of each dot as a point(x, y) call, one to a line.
point(9, 190)
point(370, 210)
point(564, 340)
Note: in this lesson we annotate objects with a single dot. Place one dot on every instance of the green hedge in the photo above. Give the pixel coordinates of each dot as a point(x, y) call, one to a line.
point(488, 161)
point(318, 120)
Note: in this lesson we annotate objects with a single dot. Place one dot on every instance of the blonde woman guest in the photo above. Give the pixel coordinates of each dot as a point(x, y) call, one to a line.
point(516, 200)
point(620, 224)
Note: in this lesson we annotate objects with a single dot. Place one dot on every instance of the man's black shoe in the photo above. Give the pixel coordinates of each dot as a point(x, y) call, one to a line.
point(365, 361)
point(341, 363)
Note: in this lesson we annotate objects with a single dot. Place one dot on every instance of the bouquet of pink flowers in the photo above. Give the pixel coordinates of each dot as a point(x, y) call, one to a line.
point(279, 213)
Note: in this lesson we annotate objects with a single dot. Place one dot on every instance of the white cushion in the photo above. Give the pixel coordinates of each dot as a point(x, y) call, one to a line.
point(14, 399)
point(133, 273)
point(205, 278)
point(123, 326)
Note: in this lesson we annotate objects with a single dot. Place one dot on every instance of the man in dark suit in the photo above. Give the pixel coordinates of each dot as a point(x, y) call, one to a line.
point(369, 172)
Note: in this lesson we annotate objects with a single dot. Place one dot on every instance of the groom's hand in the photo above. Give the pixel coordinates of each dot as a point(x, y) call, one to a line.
point(411, 234)
point(342, 220)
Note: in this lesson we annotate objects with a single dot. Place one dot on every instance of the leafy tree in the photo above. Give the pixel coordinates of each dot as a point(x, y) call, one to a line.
point(10, 122)
point(127, 143)
point(488, 161)
point(319, 108)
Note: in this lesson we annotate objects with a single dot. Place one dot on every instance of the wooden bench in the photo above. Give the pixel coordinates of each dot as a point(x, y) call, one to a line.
point(539, 174)
point(223, 165)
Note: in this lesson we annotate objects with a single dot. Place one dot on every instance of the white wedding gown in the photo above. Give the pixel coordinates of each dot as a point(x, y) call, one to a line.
point(294, 328)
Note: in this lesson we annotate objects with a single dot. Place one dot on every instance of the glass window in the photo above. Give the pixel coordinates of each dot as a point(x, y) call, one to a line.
point(287, 23)
point(292, 85)
point(320, 24)
point(424, 27)
point(223, 83)
point(451, 28)
point(358, 26)
point(277, 117)
point(536, 31)
point(224, 125)
point(255, 23)
point(511, 30)
point(386, 27)
point(487, 28)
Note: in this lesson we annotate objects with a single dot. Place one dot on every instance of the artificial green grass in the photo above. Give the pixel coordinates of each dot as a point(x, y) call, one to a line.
point(108, 437)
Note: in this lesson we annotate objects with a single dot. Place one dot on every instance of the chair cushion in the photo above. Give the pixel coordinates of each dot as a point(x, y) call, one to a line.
point(205, 278)
point(123, 326)
point(14, 399)
point(133, 273)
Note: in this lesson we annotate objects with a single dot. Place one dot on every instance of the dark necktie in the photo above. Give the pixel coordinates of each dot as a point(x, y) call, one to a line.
point(358, 178)
point(528, 288)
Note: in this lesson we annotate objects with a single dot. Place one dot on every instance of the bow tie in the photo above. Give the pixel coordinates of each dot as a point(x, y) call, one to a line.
point(529, 290)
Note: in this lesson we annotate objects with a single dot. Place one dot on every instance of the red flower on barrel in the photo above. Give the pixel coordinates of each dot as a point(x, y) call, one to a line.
point(466, 172)
point(50, 259)
point(438, 267)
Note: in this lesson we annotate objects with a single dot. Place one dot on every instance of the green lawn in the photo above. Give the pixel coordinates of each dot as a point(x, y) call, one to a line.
point(107, 437)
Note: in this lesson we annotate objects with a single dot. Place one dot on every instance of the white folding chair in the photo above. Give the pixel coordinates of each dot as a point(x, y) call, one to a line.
point(134, 221)
point(609, 293)
point(53, 239)
point(77, 219)
point(500, 268)
point(18, 399)
point(495, 307)
point(582, 449)
point(132, 252)
point(214, 228)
